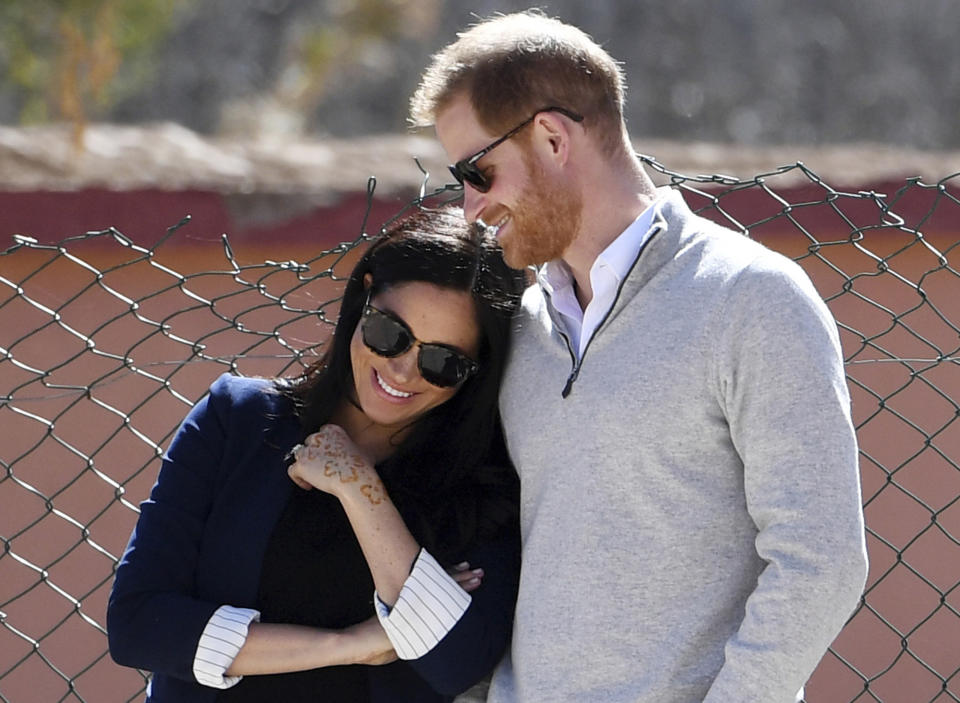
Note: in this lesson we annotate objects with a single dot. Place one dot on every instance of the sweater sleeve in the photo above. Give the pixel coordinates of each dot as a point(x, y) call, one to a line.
point(153, 620)
point(429, 605)
point(474, 645)
point(222, 638)
point(781, 382)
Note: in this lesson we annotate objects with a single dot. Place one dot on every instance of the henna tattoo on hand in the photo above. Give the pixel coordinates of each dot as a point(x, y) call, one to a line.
point(336, 456)
point(373, 493)
point(339, 457)
point(332, 468)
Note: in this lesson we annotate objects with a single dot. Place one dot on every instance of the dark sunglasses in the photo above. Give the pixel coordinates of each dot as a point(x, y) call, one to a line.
point(387, 335)
point(466, 171)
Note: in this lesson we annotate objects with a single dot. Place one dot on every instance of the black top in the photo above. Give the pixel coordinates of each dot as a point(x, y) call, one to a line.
point(314, 574)
point(204, 535)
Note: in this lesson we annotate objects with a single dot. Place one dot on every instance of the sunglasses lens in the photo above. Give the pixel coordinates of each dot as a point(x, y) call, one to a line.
point(383, 335)
point(455, 171)
point(469, 173)
point(439, 365)
point(442, 367)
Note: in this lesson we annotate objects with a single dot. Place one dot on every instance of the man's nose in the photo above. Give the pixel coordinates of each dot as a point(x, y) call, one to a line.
point(473, 202)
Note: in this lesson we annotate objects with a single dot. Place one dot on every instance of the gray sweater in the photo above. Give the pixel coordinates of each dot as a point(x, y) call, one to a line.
point(691, 516)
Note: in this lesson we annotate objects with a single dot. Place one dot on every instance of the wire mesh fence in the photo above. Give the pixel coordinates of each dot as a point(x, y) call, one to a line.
point(105, 344)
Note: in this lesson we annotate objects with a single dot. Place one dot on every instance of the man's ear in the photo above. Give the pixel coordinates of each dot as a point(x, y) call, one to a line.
point(367, 280)
point(553, 137)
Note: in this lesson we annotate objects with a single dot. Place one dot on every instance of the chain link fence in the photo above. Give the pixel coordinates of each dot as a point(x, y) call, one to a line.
point(105, 345)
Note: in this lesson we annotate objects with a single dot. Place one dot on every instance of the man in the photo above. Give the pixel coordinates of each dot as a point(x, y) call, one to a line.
point(675, 402)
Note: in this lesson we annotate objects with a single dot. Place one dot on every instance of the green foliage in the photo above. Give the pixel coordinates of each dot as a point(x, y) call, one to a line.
point(66, 59)
point(353, 33)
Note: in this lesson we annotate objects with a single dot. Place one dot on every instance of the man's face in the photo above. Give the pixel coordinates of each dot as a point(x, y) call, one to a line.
point(537, 215)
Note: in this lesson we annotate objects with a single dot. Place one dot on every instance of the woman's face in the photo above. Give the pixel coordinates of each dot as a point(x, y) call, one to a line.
point(391, 391)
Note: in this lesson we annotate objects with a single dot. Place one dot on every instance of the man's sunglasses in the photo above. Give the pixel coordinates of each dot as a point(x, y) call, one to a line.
point(387, 335)
point(466, 170)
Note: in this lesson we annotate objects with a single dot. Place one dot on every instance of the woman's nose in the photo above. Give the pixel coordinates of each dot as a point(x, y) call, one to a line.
point(404, 367)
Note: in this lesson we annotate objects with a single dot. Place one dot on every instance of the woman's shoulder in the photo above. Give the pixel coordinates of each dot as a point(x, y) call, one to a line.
point(240, 388)
point(251, 396)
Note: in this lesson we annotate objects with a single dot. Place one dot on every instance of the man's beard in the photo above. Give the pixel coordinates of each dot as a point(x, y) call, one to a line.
point(547, 224)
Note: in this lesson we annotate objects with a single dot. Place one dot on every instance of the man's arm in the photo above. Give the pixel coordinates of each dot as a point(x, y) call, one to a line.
point(788, 407)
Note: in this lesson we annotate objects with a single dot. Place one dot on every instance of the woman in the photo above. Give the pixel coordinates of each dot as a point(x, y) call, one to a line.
point(301, 534)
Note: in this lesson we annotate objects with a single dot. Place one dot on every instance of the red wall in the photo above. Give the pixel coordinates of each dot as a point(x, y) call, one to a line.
point(905, 411)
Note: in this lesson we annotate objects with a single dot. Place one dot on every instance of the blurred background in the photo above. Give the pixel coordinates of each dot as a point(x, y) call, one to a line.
point(737, 71)
point(264, 120)
point(281, 107)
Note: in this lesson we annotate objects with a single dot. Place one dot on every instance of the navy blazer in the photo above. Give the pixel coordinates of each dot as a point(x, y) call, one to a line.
point(200, 541)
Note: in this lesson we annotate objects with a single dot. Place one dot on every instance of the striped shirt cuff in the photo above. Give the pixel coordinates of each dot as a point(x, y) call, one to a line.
point(222, 638)
point(430, 603)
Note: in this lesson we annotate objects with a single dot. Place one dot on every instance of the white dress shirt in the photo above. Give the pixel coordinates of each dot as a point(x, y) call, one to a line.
point(607, 273)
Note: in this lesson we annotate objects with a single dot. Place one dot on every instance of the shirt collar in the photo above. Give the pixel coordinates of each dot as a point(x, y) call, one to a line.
point(623, 250)
point(619, 255)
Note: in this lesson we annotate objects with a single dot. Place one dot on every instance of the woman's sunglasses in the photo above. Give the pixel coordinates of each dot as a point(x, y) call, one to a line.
point(466, 170)
point(388, 335)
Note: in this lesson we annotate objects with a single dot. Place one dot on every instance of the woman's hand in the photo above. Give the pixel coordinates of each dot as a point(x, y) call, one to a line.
point(468, 579)
point(329, 461)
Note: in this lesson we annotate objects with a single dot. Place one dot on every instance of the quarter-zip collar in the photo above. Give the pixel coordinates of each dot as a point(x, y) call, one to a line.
point(606, 275)
point(668, 200)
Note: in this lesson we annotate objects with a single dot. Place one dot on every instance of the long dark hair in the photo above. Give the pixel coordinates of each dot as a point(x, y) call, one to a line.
point(450, 476)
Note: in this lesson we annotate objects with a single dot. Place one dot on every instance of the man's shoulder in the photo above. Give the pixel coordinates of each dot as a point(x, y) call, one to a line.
point(716, 244)
point(717, 258)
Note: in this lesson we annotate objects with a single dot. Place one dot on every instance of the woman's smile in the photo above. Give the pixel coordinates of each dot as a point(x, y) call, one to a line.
point(391, 392)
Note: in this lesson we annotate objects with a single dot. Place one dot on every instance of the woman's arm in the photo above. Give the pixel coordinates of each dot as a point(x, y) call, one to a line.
point(155, 620)
point(474, 646)
point(469, 647)
point(331, 462)
point(272, 648)
point(235, 643)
